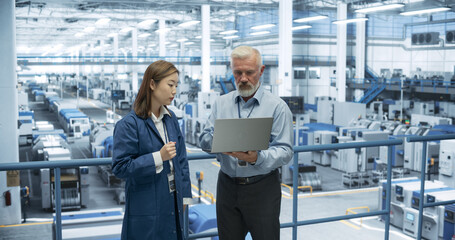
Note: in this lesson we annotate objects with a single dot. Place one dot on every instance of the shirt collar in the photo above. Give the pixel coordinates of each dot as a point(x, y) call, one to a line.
point(163, 111)
point(257, 96)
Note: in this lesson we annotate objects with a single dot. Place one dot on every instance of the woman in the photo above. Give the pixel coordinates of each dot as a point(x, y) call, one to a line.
point(149, 152)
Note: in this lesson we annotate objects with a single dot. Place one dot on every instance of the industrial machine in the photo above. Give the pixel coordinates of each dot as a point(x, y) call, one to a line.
point(74, 182)
point(25, 126)
point(402, 199)
point(446, 162)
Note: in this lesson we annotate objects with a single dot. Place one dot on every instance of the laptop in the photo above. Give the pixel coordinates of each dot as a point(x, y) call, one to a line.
point(241, 134)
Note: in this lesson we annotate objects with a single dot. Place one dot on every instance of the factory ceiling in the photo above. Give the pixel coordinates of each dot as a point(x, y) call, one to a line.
point(59, 27)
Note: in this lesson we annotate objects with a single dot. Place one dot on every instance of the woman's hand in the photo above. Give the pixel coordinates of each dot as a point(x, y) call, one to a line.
point(168, 151)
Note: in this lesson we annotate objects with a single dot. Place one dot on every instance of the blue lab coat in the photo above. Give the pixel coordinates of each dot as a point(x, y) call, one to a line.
point(149, 208)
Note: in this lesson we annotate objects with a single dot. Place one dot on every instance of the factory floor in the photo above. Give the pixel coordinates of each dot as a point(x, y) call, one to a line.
point(333, 200)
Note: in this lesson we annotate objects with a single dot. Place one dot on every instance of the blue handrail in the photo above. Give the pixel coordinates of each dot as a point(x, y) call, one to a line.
point(295, 223)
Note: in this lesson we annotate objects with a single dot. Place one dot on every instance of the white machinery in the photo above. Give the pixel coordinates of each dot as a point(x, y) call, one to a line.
point(44, 142)
point(433, 220)
point(425, 120)
point(409, 147)
point(382, 189)
point(97, 137)
point(403, 197)
point(205, 101)
point(25, 127)
point(74, 183)
point(446, 162)
point(322, 138)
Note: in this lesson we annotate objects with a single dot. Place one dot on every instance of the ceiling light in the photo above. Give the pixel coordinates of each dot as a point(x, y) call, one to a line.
point(89, 29)
point(79, 34)
point(301, 27)
point(102, 21)
point(425, 11)
point(380, 8)
point(231, 37)
point(198, 37)
point(189, 23)
point(125, 30)
point(162, 30)
point(188, 43)
point(228, 32)
point(263, 26)
point(173, 45)
point(146, 23)
point(144, 35)
point(309, 19)
point(182, 40)
point(352, 20)
point(259, 33)
point(112, 35)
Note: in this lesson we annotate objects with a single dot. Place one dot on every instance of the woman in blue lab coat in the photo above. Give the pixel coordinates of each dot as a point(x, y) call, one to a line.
point(149, 152)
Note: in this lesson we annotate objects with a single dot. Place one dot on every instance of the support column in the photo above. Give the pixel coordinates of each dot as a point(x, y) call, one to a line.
point(9, 142)
point(205, 11)
point(102, 65)
point(162, 25)
point(285, 72)
point(360, 55)
point(116, 59)
point(134, 86)
point(341, 52)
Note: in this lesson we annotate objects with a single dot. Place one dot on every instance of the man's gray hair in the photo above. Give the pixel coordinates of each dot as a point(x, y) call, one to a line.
point(243, 52)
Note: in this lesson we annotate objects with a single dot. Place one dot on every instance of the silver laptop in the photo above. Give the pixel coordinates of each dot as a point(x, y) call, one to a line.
point(241, 134)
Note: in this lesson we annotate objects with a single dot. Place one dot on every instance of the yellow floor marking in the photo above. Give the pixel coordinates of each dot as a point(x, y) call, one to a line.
point(25, 224)
point(350, 224)
point(216, 164)
point(332, 194)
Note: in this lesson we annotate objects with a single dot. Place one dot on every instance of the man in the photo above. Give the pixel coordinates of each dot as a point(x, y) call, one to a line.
point(248, 189)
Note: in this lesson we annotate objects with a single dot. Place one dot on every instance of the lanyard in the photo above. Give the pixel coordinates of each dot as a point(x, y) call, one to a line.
point(166, 138)
point(238, 108)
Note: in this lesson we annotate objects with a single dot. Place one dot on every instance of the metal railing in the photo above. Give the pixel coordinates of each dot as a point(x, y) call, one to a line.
point(57, 165)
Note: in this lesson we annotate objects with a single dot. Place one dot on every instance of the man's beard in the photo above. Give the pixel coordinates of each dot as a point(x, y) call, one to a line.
point(247, 89)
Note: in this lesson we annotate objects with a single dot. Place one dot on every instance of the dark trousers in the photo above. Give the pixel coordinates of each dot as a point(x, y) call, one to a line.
point(253, 208)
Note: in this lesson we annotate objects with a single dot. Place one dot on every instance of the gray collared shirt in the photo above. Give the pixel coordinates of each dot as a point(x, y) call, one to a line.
point(262, 104)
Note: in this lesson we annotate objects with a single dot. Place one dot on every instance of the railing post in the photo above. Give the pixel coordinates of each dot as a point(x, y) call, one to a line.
point(295, 184)
point(58, 206)
point(388, 191)
point(422, 188)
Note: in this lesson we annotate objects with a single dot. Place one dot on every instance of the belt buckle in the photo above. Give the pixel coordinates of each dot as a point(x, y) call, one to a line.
point(242, 180)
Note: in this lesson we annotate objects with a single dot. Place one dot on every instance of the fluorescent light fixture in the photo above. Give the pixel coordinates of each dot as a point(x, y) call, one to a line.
point(144, 35)
point(125, 30)
point(259, 33)
point(228, 32)
point(173, 45)
point(102, 21)
point(231, 37)
point(182, 40)
point(162, 30)
point(309, 19)
point(263, 26)
point(425, 11)
point(89, 29)
point(380, 8)
point(198, 37)
point(146, 23)
point(79, 34)
point(352, 20)
point(189, 23)
point(188, 43)
point(301, 27)
point(112, 35)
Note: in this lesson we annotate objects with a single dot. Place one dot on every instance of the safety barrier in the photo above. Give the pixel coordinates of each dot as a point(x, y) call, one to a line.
point(57, 165)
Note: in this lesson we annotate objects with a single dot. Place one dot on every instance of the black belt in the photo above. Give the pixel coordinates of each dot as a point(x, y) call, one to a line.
point(250, 180)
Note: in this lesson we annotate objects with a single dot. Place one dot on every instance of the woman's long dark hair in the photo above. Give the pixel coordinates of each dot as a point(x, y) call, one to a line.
point(155, 72)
